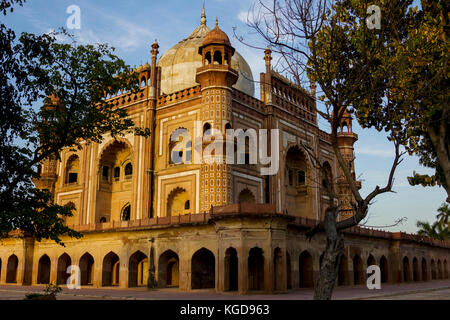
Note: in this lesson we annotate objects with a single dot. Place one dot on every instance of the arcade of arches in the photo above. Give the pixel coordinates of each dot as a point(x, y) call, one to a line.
point(199, 264)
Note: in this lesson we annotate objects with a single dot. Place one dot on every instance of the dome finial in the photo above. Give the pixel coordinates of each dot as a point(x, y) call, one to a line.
point(203, 18)
point(217, 22)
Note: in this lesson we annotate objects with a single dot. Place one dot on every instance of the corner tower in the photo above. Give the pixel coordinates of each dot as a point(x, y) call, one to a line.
point(216, 77)
point(346, 140)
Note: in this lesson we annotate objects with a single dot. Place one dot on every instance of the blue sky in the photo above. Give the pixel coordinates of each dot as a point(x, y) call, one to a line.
point(131, 27)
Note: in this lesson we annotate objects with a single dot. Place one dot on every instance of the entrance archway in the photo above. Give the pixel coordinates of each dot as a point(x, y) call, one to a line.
point(231, 270)
point(11, 269)
point(64, 262)
point(110, 270)
point(168, 269)
point(44, 270)
point(305, 268)
point(87, 269)
point(203, 269)
point(406, 270)
point(358, 272)
point(416, 273)
point(255, 269)
point(138, 270)
point(384, 270)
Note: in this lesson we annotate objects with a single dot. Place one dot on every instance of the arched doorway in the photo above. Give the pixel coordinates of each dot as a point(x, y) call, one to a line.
point(277, 269)
point(406, 270)
point(424, 270)
point(44, 270)
point(445, 269)
point(87, 269)
point(203, 269)
point(231, 270)
point(138, 270)
point(295, 181)
point(433, 270)
point(358, 270)
point(11, 269)
point(168, 269)
point(439, 267)
point(384, 270)
point(111, 270)
point(246, 196)
point(416, 273)
point(288, 271)
point(64, 262)
point(305, 268)
point(255, 269)
point(343, 271)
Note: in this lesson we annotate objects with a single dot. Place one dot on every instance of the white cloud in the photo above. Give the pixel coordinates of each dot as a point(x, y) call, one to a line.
point(246, 16)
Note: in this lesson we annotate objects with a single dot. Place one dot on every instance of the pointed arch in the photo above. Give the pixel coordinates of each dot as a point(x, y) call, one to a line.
point(44, 268)
point(168, 269)
point(111, 269)
point(11, 269)
point(256, 269)
point(87, 263)
point(138, 269)
point(246, 196)
point(306, 271)
point(64, 261)
point(203, 269)
point(231, 269)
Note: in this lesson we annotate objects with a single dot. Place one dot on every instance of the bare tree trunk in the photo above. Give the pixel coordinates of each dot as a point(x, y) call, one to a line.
point(329, 266)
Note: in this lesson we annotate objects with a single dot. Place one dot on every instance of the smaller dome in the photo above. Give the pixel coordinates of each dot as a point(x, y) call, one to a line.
point(216, 36)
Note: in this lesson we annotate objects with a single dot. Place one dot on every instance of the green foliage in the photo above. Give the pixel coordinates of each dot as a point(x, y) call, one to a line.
point(440, 229)
point(50, 293)
point(72, 80)
point(402, 70)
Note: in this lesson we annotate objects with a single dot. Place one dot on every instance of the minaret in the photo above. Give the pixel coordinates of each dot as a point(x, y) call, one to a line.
point(346, 139)
point(47, 167)
point(216, 78)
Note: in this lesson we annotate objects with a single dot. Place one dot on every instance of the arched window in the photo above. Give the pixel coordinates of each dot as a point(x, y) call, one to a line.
point(178, 202)
point(72, 169)
point(217, 57)
point(126, 211)
point(102, 220)
point(116, 173)
point(296, 165)
point(207, 58)
point(246, 196)
point(143, 82)
point(128, 170)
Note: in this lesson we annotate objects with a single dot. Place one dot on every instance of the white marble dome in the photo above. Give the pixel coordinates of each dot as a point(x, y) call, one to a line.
point(179, 64)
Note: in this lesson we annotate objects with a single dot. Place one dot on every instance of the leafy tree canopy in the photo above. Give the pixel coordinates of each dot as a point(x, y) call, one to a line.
point(72, 81)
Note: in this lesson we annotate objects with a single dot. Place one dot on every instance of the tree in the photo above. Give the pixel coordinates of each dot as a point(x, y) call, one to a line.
point(444, 215)
point(331, 45)
point(420, 90)
point(72, 80)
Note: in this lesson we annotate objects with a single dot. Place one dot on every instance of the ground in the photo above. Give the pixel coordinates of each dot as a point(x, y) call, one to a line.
point(432, 290)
